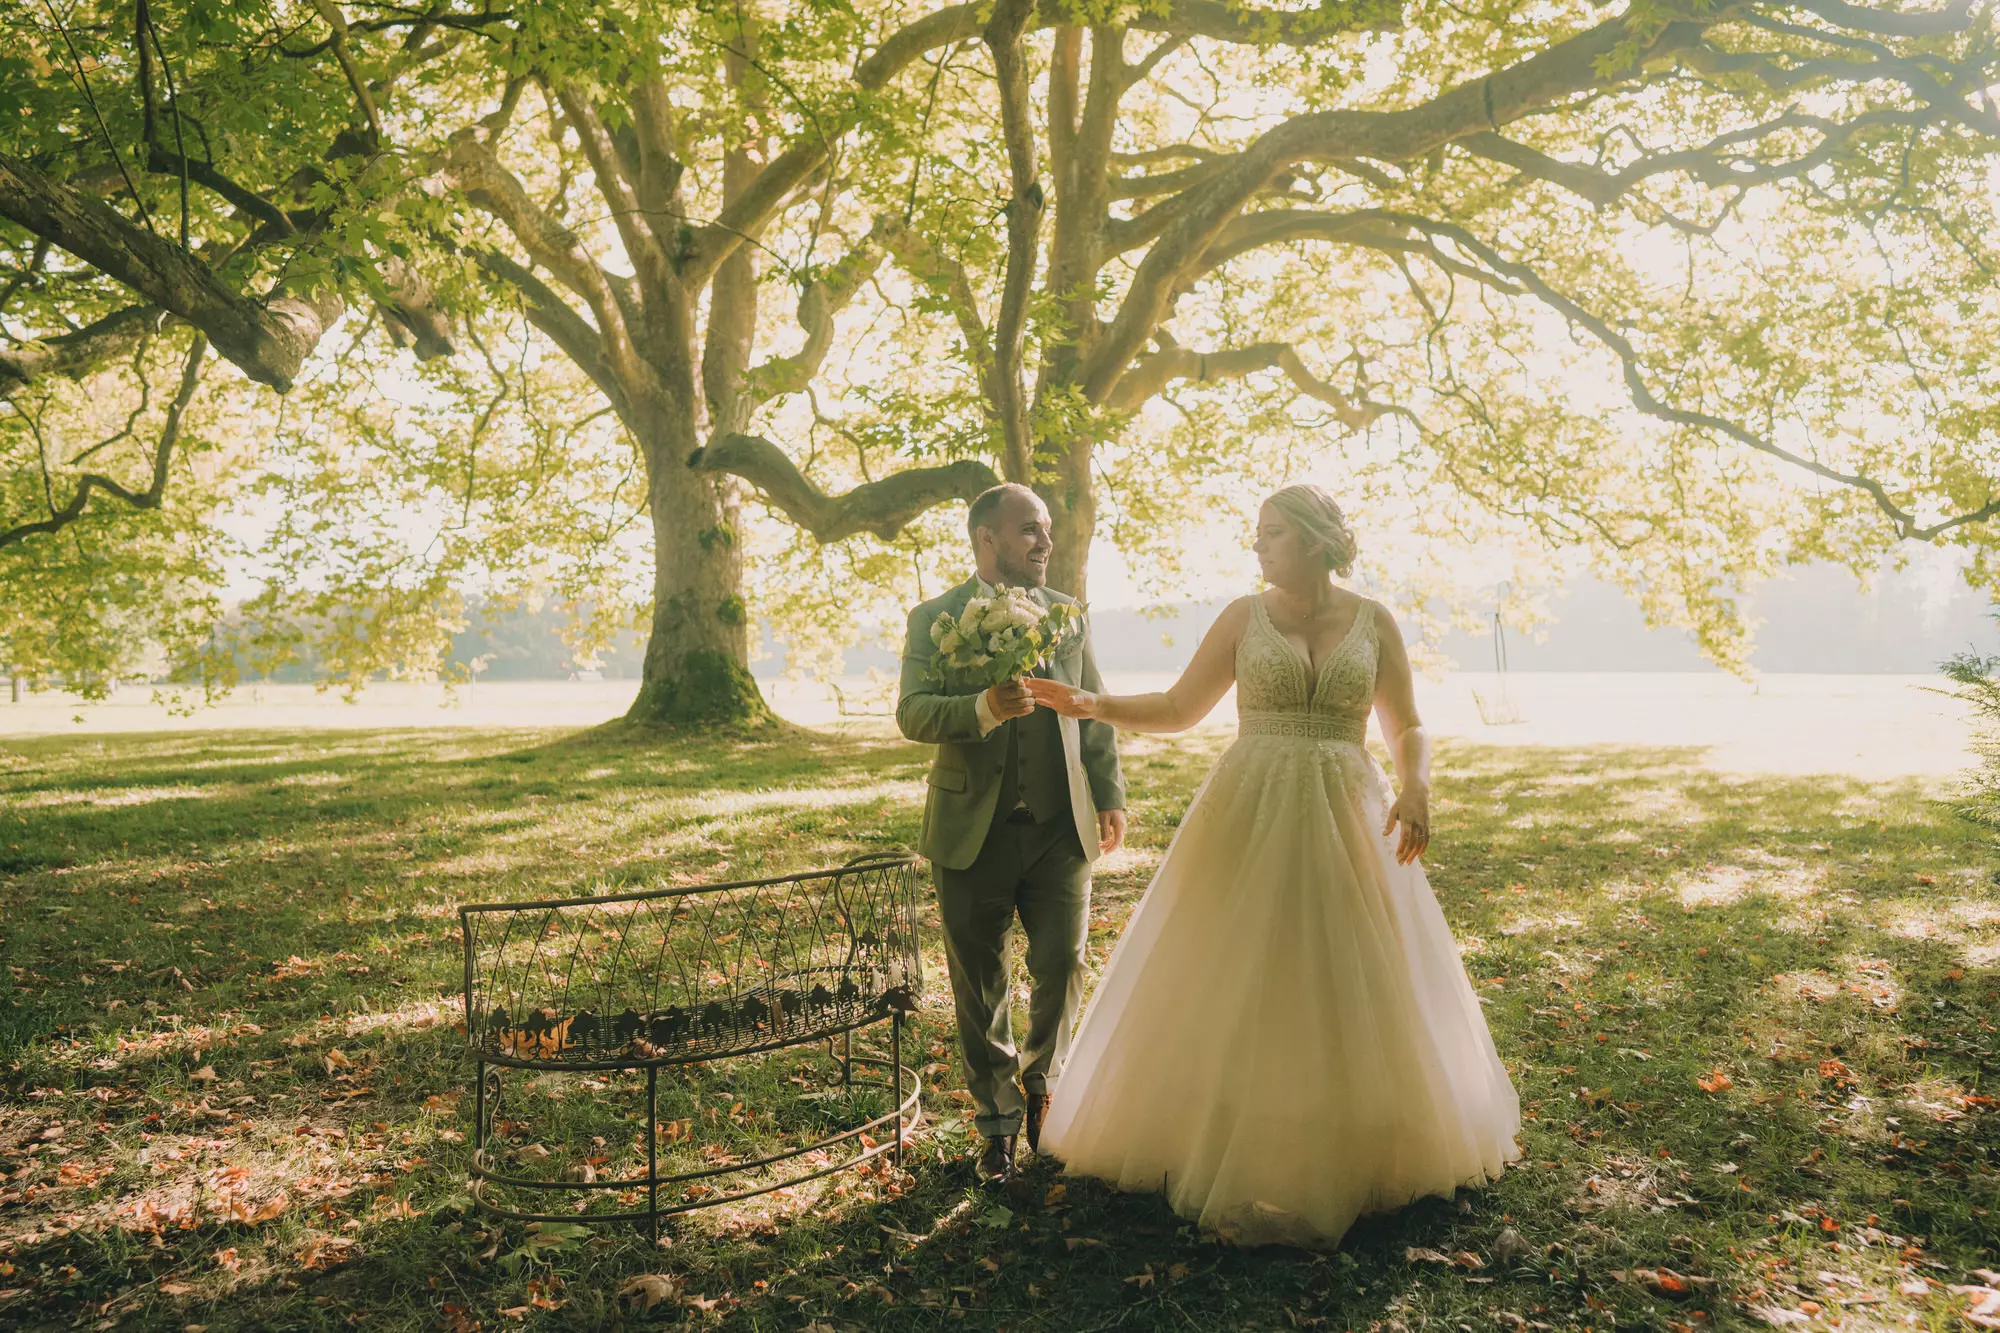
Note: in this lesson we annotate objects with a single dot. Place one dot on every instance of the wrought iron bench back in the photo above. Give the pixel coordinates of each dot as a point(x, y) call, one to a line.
point(675, 976)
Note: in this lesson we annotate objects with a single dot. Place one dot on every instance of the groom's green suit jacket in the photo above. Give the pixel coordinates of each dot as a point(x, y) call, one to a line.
point(965, 775)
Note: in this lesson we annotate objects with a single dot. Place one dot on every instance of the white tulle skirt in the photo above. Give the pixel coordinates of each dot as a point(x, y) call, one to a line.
point(1285, 1037)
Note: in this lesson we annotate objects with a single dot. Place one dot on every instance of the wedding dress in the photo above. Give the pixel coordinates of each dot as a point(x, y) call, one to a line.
point(1285, 1037)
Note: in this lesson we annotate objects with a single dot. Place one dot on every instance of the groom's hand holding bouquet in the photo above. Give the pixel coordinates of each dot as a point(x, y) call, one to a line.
point(995, 642)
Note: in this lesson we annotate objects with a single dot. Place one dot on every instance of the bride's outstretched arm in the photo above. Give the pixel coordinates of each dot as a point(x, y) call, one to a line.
point(1207, 678)
point(1396, 710)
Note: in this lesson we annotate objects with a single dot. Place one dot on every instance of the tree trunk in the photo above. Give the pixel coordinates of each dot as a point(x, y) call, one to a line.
point(1072, 521)
point(697, 658)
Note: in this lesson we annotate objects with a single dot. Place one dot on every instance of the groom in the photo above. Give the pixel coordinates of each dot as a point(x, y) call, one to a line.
point(1021, 802)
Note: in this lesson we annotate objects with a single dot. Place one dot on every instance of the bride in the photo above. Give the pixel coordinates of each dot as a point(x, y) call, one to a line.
point(1285, 1038)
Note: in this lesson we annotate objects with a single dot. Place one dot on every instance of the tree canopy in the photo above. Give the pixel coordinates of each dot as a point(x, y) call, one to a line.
point(1695, 290)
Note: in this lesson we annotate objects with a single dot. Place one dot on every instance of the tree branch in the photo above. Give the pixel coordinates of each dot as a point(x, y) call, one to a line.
point(1932, 23)
point(78, 354)
point(1706, 164)
point(822, 298)
point(1275, 226)
point(493, 188)
point(1165, 182)
point(882, 507)
point(642, 247)
point(553, 316)
point(660, 165)
point(943, 274)
point(268, 340)
point(362, 96)
point(1225, 21)
point(1786, 76)
point(1153, 372)
point(1170, 153)
point(1083, 208)
point(161, 162)
point(746, 214)
point(163, 454)
point(1024, 229)
point(411, 312)
point(1643, 398)
point(1588, 60)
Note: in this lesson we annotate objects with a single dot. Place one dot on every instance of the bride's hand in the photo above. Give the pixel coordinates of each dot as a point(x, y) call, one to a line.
point(1064, 699)
point(1413, 811)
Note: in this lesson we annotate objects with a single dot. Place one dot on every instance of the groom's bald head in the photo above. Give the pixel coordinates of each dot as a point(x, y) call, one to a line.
point(1009, 526)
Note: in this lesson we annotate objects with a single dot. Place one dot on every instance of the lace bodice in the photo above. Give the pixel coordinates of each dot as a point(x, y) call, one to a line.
point(1277, 695)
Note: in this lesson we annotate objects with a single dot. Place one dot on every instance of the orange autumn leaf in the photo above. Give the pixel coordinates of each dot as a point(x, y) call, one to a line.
point(1714, 1081)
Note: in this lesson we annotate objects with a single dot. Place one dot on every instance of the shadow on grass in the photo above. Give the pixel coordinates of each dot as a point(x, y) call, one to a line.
point(1749, 1019)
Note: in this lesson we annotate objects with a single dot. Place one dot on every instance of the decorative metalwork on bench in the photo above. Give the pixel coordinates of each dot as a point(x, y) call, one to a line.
point(676, 977)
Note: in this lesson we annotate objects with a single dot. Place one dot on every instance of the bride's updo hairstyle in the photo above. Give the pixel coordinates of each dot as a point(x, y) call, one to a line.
point(1320, 523)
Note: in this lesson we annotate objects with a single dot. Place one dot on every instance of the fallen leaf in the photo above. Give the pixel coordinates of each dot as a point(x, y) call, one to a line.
point(649, 1289)
point(1415, 1254)
point(325, 1251)
point(1778, 1316)
point(1714, 1081)
point(1141, 1280)
point(205, 1074)
point(336, 1060)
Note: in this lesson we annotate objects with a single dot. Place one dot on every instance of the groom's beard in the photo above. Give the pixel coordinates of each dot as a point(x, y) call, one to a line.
point(1022, 575)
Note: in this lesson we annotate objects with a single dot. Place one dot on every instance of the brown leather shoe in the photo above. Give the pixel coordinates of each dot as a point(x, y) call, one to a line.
point(1038, 1111)
point(996, 1164)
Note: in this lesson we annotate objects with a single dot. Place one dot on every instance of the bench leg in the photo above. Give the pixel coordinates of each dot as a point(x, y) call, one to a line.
point(896, 1078)
point(652, 1152)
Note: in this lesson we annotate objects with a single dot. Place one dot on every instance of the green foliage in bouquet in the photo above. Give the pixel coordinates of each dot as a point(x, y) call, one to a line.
point(999, 638)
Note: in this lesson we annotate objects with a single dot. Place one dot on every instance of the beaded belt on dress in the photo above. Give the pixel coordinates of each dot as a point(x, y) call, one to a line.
point(1314, 726)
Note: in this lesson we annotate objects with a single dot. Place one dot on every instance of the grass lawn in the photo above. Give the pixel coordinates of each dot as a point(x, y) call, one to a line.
point(1752, 1023)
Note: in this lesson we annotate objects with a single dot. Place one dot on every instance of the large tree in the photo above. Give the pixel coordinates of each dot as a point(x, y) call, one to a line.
point(1119, 252)
point(177, 190)
point(1693, 287)
point(614, 172)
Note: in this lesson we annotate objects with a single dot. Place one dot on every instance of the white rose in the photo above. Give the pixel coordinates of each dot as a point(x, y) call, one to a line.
point(948, 644)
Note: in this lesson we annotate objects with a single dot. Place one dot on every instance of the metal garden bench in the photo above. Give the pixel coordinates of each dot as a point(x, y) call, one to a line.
point(673, 978)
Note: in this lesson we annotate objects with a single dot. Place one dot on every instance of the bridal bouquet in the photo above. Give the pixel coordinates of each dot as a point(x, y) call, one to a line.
point(999, 638)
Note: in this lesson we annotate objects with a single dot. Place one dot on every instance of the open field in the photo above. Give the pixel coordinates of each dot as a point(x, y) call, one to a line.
point(1752, 1021)
point(1861, 725)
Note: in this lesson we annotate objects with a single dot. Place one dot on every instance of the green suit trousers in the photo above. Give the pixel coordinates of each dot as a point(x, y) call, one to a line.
point(1038, 872)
